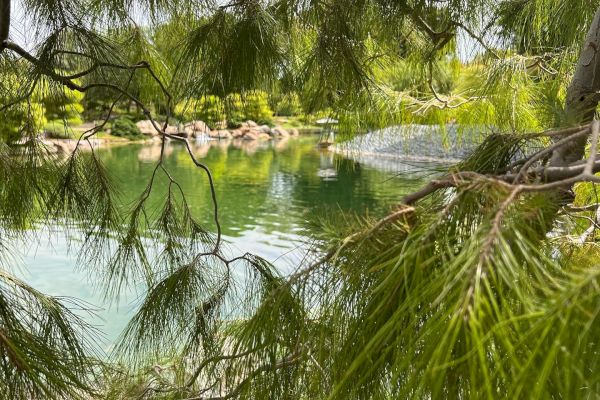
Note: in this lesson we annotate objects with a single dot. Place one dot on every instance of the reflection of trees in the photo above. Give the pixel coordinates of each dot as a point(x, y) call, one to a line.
point(274, 188)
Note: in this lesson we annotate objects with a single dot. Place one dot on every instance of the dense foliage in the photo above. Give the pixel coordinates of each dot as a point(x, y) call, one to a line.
point(124, 127)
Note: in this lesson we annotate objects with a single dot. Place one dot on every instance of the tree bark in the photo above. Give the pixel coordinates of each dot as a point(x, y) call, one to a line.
point(4, 22)
point(583, 95)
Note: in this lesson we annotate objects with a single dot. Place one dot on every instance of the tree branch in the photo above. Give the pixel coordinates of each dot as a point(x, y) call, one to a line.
point(4, 23)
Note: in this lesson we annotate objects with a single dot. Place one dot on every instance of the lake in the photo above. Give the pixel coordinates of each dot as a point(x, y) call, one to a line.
point(270, 196)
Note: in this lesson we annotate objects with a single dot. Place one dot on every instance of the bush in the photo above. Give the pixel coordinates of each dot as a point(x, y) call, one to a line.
point(124, 127)
point(209, 109)
point(25, 118)
point(256, 107)
point(21, 119)
point(289, 105)
point(234, 109)
point(64, 105)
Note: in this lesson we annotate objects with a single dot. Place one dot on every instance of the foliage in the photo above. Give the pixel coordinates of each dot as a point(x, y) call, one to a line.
point(124, 127)
point(234, 110)
point(209, 109)
point(289, 105)
point(63, 105)
point(256, 107)
point(21, 120)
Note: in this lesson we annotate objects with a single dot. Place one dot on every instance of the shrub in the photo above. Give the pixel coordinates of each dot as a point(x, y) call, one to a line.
point(124, 127)
point(25, 118)
point(289, 105)
point(234, 109)
point(209, 109)
point(64, 105)
point(21, 119)
point(256, 107)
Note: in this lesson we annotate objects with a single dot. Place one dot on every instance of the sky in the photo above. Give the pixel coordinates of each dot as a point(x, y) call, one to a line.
point(22, 32)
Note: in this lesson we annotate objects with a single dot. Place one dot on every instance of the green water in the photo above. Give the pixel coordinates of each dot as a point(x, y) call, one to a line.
point(270, 195)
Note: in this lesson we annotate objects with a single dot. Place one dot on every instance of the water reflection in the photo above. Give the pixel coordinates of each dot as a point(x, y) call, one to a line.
point(269, 192)
point(327, 169)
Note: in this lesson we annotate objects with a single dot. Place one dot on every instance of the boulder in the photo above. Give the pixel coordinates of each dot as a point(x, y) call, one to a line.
point(280, 132)
point(188, 131)
point(197, 127)
point(220, 134)
point(49, 147)
point(251, 124)
point(147, 128)
point(64, 146)
point(264, 136)
point(265, 128)
point(224, 134)
point(251, 135)
point(236, 133)
point(171, 130)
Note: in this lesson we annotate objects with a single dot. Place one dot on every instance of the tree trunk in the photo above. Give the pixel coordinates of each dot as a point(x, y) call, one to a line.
point(583, 95)
point(4, 22)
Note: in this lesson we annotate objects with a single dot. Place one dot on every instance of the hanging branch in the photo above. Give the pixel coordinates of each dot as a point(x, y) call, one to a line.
point(4, 23)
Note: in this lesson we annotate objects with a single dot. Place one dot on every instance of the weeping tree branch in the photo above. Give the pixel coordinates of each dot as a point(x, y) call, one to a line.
point(68, 81)
point(4, 23)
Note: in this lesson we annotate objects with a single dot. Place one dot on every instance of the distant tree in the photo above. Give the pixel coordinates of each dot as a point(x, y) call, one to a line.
point(289, 105)
point(209, 109)
point(256, 107)
point(64, 106)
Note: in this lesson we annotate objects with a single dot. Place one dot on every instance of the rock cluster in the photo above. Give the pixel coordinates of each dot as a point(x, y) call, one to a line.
point(248, 130)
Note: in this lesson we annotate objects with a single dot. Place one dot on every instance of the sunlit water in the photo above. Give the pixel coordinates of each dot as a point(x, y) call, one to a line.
point(270, 195)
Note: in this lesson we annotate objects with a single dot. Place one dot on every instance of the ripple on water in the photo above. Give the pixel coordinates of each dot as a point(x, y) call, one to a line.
point(268, 201)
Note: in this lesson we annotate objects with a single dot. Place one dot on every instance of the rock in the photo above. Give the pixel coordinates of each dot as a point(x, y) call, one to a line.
point(280, 132)
point(224, 134)
point(294, 132)
point(220, 134)
point(147, 128)
point(64, 146)
point(265, 128)
point(237, 133)
point(251, 124)
point(189, 132)
point(264, 136)
point(251, 135)
point(197, 127)
point(49, 147)
point(171, 130)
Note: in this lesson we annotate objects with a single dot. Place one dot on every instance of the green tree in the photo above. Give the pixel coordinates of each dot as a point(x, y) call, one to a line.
point(256, 107)
point(289, 105)
point(63, 105)
point(209, 109)
point(483, 284)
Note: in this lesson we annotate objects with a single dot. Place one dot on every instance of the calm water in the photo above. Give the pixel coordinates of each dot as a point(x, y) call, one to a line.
point(269, 195)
